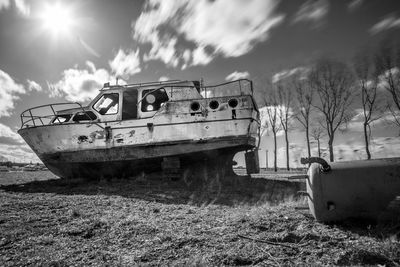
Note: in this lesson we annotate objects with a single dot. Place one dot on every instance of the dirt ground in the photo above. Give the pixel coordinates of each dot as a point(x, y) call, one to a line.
point(157, 222)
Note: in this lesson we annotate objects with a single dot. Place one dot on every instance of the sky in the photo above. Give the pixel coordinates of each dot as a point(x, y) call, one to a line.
point(57, 51)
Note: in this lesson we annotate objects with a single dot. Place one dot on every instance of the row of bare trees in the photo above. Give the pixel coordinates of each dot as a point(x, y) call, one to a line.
point(328, 93)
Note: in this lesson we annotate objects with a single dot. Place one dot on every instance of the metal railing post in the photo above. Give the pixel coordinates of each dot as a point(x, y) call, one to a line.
point(51, 106)
point(33, 120)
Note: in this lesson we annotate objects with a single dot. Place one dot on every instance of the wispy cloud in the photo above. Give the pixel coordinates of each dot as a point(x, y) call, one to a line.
point(385, 24)
point(312, 10)
point(284, 74)
point(80, 84)
point(9, 93)
point(236, 75)
point(354, 4)
point(33, 86)
point(230, 28)
point(125, 64)
point(164, 51)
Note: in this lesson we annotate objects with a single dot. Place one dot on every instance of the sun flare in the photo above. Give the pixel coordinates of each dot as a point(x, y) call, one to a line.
point(57, 19)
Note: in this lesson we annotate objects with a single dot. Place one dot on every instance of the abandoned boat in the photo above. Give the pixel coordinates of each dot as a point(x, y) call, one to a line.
point(154, 126)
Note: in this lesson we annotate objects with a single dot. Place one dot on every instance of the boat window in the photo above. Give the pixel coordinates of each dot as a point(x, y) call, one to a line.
point(153, 99)
point(61, 118)
point(84, 116)
point(129, 105)
point(107, 104)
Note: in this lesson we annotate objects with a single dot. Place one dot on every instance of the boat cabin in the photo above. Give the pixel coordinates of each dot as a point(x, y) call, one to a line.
point(136, 101)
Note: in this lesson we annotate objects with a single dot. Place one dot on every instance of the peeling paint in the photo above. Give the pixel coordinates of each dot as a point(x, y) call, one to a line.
point(118, 136)
point(97, 135)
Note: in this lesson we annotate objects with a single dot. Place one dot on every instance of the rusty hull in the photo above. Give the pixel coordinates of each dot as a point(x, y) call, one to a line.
point(128, 161)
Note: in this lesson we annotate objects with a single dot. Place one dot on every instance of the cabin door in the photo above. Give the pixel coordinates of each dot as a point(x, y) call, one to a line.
point(129, 105)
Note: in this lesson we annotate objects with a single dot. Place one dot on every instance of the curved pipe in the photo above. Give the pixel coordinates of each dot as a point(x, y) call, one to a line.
point(325, 166)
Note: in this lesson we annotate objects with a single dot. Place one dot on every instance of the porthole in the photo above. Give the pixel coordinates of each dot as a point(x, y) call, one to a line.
point(214, 104)
point(233, 102)
point(195, 106)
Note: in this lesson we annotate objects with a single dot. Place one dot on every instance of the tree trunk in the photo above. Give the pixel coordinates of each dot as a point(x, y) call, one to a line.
point(287, 151)
point(308, 143)
point(366, 141)
point(275, 166)
point(330, 143)
point(319, 149)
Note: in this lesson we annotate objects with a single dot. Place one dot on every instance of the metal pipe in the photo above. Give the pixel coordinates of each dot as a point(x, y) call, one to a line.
point(325, 166)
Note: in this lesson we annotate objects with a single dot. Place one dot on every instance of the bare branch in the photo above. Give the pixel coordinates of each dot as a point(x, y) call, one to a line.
point(332, 81)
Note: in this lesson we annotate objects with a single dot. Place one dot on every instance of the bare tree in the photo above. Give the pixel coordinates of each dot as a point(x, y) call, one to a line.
point(317, 133)
point(304, 99)
point(387, 60)
point(368, 79)
point(271, 105)
point(285, 101)
point(332, 80)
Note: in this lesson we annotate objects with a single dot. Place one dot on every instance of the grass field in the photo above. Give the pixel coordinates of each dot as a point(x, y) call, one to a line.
point(156, 222)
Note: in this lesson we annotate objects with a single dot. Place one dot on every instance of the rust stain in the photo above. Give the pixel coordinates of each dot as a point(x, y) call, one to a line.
point(82, 139)
point(131, 133)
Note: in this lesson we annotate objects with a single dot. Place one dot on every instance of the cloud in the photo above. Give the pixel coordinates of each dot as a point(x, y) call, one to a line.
point(163, 79)
point(312, 10)
point(80, 84)
point(18, 153)
point(125, 64)
point(200, 57)
point(33, 86)
point(353, 5)
point(385, 24)
point(20, 5)
point(385, 77)
point(284, 74)
point(265, 121)
point(230, 28)
point(164, 51)
point(236, 75)
point(8, 136)
point(382, 147)
point(9, 93)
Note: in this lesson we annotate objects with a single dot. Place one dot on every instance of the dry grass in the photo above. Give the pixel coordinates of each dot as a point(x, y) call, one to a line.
point(127, 223)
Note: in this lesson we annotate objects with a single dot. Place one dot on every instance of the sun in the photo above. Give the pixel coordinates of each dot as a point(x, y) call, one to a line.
point(57, 19)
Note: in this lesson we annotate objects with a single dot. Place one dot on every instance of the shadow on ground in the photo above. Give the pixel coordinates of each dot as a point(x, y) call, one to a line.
point(231, 191)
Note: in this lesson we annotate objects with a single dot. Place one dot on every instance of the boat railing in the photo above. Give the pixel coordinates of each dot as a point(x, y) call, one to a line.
point(237, 87)
point(46, 114)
